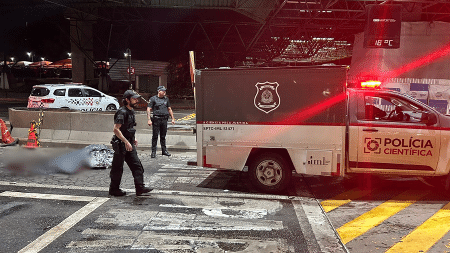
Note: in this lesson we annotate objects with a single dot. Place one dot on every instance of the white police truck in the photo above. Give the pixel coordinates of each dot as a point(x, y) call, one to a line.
point(276, 120)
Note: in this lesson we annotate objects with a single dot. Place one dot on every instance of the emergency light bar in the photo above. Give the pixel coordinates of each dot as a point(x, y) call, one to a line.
point(371, 84)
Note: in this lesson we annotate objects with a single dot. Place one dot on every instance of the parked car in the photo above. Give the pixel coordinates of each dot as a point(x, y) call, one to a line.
point(71, 96)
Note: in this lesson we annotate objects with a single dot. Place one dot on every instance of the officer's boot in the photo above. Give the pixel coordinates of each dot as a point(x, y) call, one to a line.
point(164, 148)
point(141, 189)
point(114, 189)
point(153, 153)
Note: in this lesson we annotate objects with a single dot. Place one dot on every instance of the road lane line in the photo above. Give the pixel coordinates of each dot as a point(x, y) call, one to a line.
point(178, 222)
point(45, 196)
point(52, 186)
point(343, 198)
point(108, 232)
point(44, 240)
point(113, 243)
point(427, 234)
point(160, 192)
point(377, 215)
point(150, 240)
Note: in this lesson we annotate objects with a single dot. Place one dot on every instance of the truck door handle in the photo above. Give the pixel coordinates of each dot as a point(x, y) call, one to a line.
point(370, 130)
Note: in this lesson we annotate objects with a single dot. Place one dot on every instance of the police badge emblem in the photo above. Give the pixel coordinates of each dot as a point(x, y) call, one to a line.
point(267, 98)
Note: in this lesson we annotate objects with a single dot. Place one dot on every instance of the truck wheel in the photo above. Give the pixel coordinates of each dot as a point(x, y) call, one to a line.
point(270, 173)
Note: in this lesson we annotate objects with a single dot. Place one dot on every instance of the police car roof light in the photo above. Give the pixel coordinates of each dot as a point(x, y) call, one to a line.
point(371, 84)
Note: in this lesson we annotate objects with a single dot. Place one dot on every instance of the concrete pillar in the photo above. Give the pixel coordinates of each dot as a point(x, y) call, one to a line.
point(4, 81)
point(82, 49)
point(103, 83)
point(137, 83)
point(163, 80)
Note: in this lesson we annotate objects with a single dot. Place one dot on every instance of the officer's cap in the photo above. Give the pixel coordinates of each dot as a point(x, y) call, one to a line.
point(161, 88)
point(130, 94)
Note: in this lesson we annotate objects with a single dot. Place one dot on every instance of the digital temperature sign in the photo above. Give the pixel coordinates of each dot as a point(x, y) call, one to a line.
point(383, 26)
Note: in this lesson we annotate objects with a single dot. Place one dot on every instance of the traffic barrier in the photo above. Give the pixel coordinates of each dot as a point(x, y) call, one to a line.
point(6, 136)
point(32, 141)
point(79, 129)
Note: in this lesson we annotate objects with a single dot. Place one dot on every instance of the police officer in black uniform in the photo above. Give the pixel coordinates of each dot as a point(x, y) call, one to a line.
point(161, 111)
point(124, 145)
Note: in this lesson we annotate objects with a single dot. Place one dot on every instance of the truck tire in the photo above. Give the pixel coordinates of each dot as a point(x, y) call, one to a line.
point(270, 173)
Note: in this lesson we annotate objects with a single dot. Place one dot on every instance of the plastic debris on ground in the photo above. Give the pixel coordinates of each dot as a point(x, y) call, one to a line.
point(100, 156)
point(28, 162)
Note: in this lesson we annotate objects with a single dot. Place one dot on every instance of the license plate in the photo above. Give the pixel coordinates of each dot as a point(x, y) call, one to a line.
point(35, 104)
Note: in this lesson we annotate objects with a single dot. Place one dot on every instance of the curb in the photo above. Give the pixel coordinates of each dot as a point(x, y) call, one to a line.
point(175, 142)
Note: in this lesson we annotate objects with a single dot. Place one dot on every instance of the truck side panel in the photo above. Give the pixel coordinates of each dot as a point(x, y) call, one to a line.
point(228, 146)
point(308, 113)
point(232, 95)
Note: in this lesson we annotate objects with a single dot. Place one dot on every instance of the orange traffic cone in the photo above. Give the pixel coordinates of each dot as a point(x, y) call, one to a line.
point(32, 141)
point(6, 136)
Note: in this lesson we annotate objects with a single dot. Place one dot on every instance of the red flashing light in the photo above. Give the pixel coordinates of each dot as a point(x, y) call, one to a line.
point(371, 84)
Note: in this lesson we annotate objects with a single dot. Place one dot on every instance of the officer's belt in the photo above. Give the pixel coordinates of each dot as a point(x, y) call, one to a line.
point(161, 117)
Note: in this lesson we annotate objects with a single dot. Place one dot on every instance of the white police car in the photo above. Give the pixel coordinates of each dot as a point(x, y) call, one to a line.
point(71, 96)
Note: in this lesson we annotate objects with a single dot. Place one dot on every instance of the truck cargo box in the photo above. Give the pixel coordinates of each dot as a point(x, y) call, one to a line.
point(271, 95)
point(273, 120)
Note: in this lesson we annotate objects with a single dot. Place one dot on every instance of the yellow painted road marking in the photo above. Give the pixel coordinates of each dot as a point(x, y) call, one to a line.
point(377, 215)
point(427, 234)
point(342, 199)
point(191, 116)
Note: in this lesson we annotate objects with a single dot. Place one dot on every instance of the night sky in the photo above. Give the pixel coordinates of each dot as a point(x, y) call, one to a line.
point(44, 30)
point(162, 34)
point(35, 28)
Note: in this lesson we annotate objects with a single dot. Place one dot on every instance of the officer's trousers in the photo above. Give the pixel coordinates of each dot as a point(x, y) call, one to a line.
point(159, 128)
point(133, 162)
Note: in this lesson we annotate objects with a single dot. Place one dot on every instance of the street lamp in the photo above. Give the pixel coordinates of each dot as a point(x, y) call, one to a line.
point(70, 54)
point(40, 69)
point(30, 55)
point(128, 54)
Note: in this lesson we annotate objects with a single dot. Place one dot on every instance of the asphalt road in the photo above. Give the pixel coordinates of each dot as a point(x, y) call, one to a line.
point(195, 209)
point(192, 209)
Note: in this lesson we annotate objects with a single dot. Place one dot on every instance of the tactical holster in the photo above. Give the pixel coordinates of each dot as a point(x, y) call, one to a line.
point(118, 145)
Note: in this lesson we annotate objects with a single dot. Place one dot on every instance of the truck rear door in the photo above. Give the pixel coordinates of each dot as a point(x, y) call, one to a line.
point(392, 134)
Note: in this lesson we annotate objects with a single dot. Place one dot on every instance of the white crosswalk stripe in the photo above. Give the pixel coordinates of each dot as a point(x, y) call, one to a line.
point(169, 175)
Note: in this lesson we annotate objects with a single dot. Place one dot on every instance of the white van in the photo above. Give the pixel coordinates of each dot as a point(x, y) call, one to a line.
point(71, 96)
